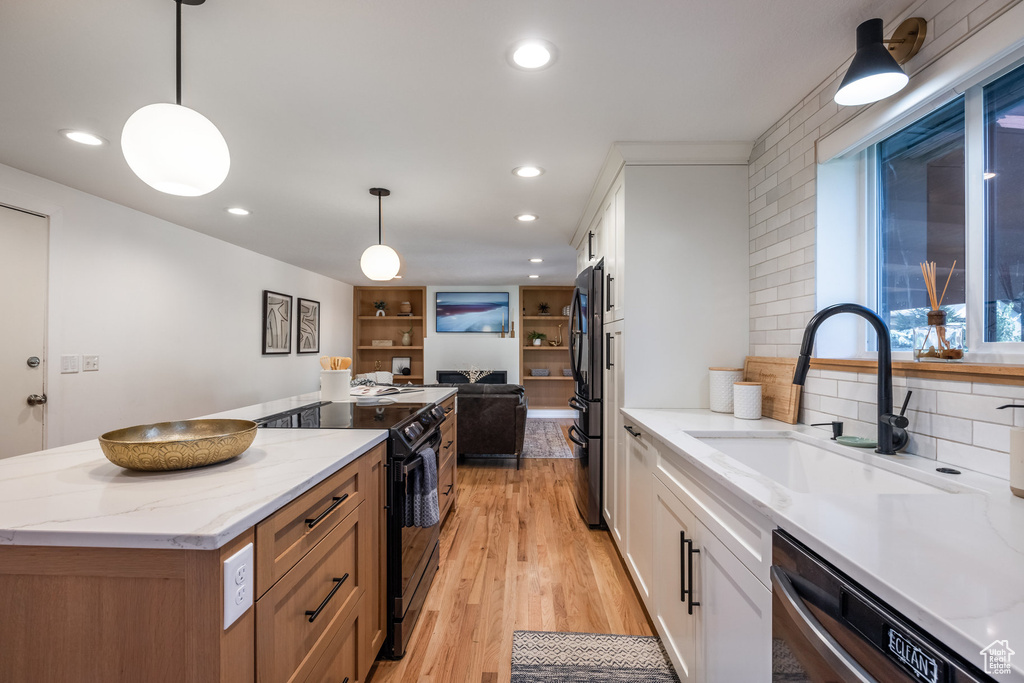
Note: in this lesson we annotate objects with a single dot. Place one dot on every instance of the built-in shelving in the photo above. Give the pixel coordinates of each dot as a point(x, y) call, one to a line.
point(368, 326)
point(555, 390)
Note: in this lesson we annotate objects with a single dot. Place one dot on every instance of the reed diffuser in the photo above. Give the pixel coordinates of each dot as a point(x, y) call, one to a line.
point(939, 340)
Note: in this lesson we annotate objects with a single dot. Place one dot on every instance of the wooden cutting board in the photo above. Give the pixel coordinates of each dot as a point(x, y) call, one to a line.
point(780, 398)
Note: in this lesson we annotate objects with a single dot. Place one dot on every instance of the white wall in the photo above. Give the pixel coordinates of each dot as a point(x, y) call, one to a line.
point(174, 315)
point(460, 351)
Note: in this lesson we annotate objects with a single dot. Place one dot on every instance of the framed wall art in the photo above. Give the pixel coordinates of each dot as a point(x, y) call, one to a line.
point(307, 326)
point(277, 323)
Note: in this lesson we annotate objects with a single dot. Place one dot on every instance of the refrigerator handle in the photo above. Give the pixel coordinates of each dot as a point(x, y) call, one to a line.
point(574, 333)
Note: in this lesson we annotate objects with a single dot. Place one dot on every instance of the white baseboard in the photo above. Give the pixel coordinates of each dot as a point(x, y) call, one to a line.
point(550, 413)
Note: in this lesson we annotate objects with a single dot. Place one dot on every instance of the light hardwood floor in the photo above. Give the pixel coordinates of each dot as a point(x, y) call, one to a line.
point(515, 555)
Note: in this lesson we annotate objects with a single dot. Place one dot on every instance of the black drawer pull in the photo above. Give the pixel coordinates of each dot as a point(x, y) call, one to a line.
point(346, 680)
point(631, 430)
point(313, 614)
point(319, 518)
point(449, 444)
point(448, 491)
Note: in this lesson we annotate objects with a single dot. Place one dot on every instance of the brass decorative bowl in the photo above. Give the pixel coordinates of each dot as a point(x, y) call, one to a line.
point(177, 445)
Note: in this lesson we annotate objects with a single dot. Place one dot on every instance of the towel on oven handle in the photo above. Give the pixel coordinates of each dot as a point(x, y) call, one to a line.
point(421, 504)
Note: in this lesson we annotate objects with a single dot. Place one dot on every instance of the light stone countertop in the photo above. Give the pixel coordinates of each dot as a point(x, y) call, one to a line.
point(74, 496)
point(953, 563)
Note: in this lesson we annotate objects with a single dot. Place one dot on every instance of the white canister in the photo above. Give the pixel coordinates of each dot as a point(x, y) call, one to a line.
point(335, 385)
point(746, 399)
point(722, 380)
point(1017, 462)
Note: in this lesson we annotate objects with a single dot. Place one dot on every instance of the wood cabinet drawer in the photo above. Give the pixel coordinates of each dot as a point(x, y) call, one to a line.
point(339, 661)
point(449, 406)
point(287, 535)
point(327, 581)
point(446, 486)
point(448, 445)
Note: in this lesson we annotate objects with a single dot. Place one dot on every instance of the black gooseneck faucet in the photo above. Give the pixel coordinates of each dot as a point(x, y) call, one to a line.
point(892, 434)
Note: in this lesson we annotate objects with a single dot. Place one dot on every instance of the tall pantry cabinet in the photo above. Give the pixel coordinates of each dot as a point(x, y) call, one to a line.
point(671, 224)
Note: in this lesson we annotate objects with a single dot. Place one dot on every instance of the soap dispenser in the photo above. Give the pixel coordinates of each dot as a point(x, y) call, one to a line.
point(1016, 457)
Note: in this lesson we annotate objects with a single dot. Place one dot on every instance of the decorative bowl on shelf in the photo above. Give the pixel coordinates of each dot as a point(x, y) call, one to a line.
point(566, 372)
point(539, 372)
point(177, 445)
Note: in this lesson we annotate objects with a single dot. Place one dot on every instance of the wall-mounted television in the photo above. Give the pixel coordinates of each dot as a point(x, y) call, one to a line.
point(471, 311)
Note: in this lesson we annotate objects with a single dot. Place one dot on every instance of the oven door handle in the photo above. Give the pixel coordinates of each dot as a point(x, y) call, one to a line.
point(434, 443)
point(838, 660)
point(573, 431)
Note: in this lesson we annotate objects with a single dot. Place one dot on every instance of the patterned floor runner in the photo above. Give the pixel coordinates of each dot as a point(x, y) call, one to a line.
point(547, 657)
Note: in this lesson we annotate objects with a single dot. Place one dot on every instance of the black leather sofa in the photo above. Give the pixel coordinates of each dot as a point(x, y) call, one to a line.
point(492, 419)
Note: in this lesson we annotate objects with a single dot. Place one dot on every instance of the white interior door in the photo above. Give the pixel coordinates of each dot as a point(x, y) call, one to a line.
point(23, 261)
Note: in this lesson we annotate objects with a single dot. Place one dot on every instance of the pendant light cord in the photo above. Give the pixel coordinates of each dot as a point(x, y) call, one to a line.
point(380, 224)
point(178, 50)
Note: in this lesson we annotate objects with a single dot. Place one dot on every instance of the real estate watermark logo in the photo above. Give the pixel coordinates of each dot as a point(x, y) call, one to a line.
point(997, 657)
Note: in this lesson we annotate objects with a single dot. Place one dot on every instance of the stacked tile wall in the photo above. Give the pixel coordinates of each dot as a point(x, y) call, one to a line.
point(782, 264)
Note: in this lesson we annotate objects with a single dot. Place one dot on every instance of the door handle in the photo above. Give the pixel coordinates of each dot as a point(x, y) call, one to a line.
point(608, 294)
point(590, 245)
point(36, 399)
point(686, 552)
point(608, 364)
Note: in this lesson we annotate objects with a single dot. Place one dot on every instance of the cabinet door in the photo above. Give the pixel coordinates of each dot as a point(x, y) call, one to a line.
point(640, 456)
point(611, 270)
point(614, 434)
point(736, 615)
point(673, 521)
point(618, 289)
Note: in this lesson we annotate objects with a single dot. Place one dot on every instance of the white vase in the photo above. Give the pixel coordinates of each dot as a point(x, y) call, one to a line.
point(406, 339)
point(536, 342)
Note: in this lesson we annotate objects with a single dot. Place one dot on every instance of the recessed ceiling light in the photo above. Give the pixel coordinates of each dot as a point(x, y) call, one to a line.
point(527, 171)
point(536, 260)
point(531, 55)
point(82, 137)
point(534, 277)
point(238, 211)
point(989, 175)
point(526, 217)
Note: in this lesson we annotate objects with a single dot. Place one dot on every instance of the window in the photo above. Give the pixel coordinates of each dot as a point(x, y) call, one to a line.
point(949, 189)
point(1004, 208)
point(922, 218)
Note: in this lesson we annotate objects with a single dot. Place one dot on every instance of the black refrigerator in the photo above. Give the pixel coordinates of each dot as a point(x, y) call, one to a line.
point(586, 358)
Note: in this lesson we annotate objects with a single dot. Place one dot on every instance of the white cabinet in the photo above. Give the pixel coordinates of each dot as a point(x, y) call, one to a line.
point(613, 242)
point(640, 456)
point(614, 436)
point(678, 629)
point(720, 632)
point(735, 614)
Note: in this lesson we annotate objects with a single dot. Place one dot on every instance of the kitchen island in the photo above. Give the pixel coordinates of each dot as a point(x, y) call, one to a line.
point(949, 561)
point(112, 575)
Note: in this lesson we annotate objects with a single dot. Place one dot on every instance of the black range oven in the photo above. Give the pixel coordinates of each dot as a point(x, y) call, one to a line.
point(412, 551)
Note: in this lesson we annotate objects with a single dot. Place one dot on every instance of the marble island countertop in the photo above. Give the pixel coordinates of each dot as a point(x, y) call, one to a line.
point(74, 496)
point(953, 563)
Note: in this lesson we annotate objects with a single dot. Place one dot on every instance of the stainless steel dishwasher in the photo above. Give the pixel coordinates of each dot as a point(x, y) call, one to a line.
point(828, 629)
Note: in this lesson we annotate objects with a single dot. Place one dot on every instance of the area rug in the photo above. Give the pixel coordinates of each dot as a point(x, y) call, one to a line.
point(545, 439)
point(547, 657)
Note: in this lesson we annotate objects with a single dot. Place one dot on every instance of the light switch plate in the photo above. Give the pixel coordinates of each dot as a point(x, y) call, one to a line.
point(90, 363)
point(69, 363)
point(238, 585)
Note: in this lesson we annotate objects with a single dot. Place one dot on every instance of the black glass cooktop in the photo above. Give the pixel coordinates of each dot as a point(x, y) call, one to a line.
point(327, 415)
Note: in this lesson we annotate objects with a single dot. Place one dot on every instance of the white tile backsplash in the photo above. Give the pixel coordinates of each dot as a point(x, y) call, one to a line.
point(956, 421)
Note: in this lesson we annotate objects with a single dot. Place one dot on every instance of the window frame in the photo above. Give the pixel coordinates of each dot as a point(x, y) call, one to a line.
point(978, 350)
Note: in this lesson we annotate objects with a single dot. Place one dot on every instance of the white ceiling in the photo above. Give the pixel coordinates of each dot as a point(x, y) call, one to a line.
point(319, 100)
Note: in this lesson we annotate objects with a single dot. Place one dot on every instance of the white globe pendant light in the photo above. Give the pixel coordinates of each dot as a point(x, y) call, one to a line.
point(380, 262)
point(175, 149)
